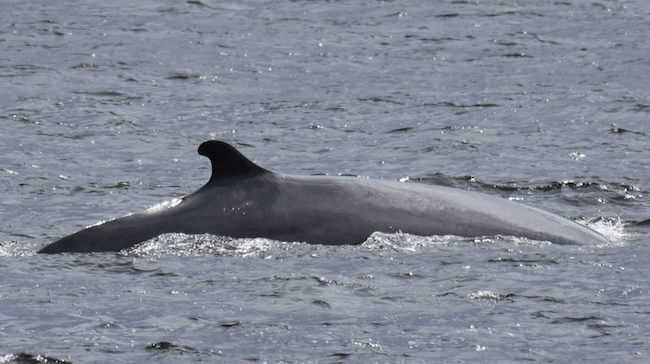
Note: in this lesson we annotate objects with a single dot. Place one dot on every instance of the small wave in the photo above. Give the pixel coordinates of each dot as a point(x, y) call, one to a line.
point(463, 181)
point(409, 243)
point(612, 229)
point(614, 129)
point(167, 346)
point(406, 242)
point(511, 240)
point(179, 244)
point(106, 93)
point(183, 76)
point(16, 249)
point(386, 99)
point(29, 358)
point(489, 295)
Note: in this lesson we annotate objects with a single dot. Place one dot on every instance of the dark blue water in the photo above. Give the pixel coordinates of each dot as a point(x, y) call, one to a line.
point(103, 105)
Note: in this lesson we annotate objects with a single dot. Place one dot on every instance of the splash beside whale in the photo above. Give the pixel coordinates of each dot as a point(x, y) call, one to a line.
point(244, 200)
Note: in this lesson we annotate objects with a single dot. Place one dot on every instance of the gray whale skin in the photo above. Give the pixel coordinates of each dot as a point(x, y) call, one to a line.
point(244, 200)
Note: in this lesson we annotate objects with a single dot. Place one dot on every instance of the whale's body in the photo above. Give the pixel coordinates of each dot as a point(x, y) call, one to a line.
point(243, 200)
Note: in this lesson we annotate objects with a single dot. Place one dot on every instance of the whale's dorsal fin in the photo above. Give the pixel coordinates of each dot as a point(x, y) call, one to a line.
point(227, 162)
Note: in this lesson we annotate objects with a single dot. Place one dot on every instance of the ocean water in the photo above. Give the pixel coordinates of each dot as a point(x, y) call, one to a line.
point(103, 105)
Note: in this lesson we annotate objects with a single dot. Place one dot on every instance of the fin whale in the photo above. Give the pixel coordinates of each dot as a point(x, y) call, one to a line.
point(244, 200)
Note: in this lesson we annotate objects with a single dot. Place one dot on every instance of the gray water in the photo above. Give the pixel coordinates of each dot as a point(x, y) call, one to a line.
point(103, 105)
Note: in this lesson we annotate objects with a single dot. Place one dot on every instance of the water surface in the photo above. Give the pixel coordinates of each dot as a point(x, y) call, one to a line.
point(103, 105)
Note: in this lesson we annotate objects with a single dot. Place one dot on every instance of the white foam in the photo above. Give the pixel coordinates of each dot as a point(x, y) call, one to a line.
point(612, 229)
point(201, 244)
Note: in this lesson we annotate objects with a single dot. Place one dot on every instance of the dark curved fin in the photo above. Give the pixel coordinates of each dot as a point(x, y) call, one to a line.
point(228, 162)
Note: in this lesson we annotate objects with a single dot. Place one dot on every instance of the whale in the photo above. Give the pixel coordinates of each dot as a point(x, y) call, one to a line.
point(243, 200)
